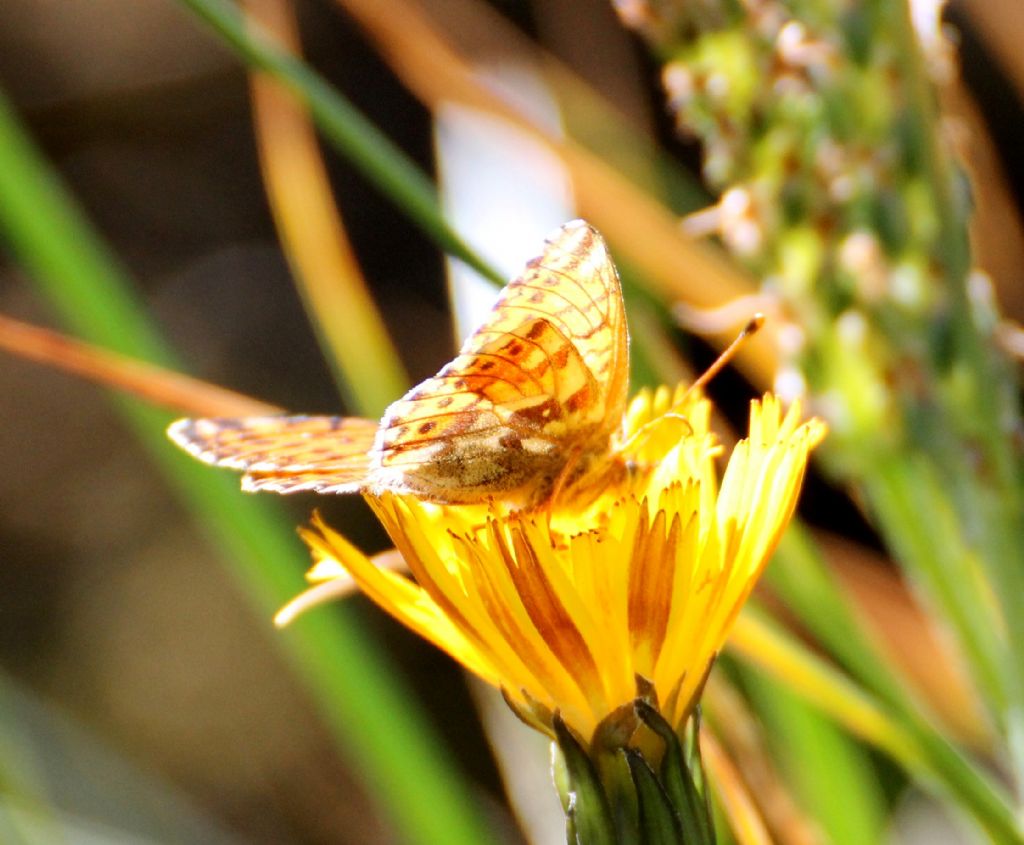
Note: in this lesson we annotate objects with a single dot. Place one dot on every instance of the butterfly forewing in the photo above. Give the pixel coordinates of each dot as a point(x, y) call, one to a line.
point(573, 291)
point(284, 453)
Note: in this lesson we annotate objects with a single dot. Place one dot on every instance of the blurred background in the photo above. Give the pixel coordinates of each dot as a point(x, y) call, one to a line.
point(128, 659)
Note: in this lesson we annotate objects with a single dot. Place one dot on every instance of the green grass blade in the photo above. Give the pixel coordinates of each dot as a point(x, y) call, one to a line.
point(361, 701)
point(20, 778)
point(801, 578)
point(61, 783)
point(344, 127)
point(938, 557)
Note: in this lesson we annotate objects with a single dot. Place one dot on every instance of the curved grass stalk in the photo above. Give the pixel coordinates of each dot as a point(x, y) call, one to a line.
point(312, 232)
point(744, 818)
point(158, 385)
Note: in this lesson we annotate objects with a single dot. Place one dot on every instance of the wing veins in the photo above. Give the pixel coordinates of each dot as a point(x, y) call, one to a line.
point(551, 322)
point(577, 283)
point(471, 375)
point(404, 423)
point(549, 290)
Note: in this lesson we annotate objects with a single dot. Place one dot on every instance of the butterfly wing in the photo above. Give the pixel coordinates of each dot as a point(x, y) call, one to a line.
point(544, 377)
point(284, 454)
point(541, 383)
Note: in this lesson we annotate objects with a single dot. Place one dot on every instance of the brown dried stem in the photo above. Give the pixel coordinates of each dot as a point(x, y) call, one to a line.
point(158, 385)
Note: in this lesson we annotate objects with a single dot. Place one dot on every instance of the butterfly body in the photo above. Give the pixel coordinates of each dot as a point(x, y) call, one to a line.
point(528, 406)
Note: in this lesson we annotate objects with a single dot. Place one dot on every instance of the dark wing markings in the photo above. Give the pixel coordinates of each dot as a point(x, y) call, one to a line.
point(464, 376)
point(551, 364)
point(550, 320)
point(412, 423)
point(407, 423)
point(501, 358)
point(246, 444)
point(391, 454)
point(525, 339)
point(548, 291)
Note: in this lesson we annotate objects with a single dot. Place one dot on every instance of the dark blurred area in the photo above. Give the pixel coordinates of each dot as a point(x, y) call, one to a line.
point(112, 604)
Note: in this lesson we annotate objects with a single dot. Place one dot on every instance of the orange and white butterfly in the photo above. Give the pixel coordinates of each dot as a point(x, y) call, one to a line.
point(527, 408)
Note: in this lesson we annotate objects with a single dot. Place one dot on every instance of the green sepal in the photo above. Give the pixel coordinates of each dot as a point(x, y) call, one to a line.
point(658, 820)
point(588, 815)
point(616, 729)
point(682, 775)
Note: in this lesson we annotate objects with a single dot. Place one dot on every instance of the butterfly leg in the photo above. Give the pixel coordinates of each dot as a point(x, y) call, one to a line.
point(571, 463)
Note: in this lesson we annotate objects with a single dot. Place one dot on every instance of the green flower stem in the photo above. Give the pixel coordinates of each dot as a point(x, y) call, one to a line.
point(589, 816)
point(360, 699)
point(344, 127)
point(612, 793)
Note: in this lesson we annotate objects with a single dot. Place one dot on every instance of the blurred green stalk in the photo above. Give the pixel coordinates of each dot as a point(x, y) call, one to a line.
point(918, 748)
point(370, 714)
point(840, 787)
point(20, 781)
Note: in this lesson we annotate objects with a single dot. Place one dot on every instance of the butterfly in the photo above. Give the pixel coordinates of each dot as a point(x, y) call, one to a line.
point(527, 408)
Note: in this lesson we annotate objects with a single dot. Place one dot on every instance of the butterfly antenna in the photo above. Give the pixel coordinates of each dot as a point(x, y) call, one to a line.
point(751, 328)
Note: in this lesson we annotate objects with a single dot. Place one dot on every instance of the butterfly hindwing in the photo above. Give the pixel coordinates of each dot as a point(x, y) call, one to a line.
point(544, 376)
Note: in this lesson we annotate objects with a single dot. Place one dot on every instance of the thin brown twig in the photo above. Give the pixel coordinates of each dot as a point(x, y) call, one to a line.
point(150, 382)
point(741, 735)
point(747, 825)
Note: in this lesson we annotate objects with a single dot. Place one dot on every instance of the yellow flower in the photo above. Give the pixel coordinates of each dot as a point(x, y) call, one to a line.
point(567, 611)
